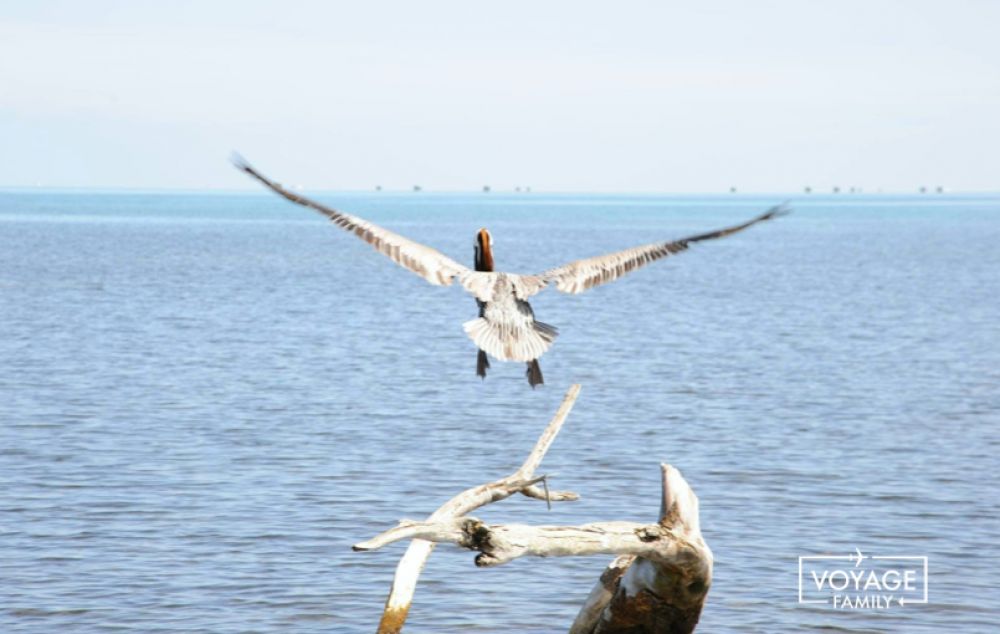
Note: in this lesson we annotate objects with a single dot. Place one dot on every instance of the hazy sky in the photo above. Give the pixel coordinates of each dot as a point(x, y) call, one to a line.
point(592, 96)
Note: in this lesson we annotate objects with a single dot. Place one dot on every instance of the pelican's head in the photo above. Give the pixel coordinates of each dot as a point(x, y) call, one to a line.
point(484, 250)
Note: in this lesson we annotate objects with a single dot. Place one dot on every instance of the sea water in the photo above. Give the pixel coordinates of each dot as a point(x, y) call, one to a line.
point(206, 399)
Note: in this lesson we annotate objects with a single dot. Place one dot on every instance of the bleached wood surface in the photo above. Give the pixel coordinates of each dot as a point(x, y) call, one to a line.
point(664, 593)
point(657, 584)
point(523, 481)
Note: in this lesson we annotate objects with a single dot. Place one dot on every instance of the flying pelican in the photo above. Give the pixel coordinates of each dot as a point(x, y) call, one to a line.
point(506, 328)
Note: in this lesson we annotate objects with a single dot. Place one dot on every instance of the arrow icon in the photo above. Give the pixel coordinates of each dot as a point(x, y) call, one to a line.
point(859, 557)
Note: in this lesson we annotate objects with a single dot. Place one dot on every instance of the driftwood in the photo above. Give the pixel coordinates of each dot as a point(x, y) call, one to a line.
point(523, 481)
point(659, 592)
point(658, 583)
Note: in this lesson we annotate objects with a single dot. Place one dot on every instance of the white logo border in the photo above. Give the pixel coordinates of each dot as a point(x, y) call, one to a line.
point(859, 557)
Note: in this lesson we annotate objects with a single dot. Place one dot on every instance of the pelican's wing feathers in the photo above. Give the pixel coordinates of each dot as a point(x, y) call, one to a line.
point(428, 263)
point(483, 283)
point(581, 275)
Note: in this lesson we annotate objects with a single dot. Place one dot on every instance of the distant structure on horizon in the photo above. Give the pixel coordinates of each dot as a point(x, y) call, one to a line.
point(807, 189)
point(486, 189)
point(417, 188)
point(732, 190)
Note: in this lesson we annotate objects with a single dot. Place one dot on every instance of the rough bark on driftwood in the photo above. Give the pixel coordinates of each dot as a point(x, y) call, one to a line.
point(657, 584)
point(663, 593)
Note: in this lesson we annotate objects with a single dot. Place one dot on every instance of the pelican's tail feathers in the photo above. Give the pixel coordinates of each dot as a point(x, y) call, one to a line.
point(521, 342)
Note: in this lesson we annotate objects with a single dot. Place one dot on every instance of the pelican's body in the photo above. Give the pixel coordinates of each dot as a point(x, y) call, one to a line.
point(506, 328)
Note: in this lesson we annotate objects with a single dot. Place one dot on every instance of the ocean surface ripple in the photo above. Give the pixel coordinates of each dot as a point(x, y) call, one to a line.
point(206, 399)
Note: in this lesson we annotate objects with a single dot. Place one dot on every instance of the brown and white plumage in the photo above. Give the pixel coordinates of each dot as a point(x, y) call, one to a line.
point(428, 263)
point(581, 275)
point(506, 327)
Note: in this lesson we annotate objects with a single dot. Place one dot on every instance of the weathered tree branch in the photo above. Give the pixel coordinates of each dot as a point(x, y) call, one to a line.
point(642, 594)
point(600, 597)
point(657, 584)
point(501, 543)
point(397, 605)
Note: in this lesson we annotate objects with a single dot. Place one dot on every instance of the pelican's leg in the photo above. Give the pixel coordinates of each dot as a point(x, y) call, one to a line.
point(482, 364)
point(534, 373)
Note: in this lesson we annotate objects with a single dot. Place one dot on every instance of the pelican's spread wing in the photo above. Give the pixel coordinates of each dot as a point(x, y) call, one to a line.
point(428, 263)
point(581, 275)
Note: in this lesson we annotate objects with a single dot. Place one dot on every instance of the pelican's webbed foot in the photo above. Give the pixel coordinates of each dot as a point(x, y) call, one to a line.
point(534, 373)
point(482, 365)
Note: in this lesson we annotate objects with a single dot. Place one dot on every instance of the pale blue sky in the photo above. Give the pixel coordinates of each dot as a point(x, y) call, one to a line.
point(588, 96)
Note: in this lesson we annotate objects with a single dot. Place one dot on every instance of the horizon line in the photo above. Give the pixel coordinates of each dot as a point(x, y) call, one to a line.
point(843, 192)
